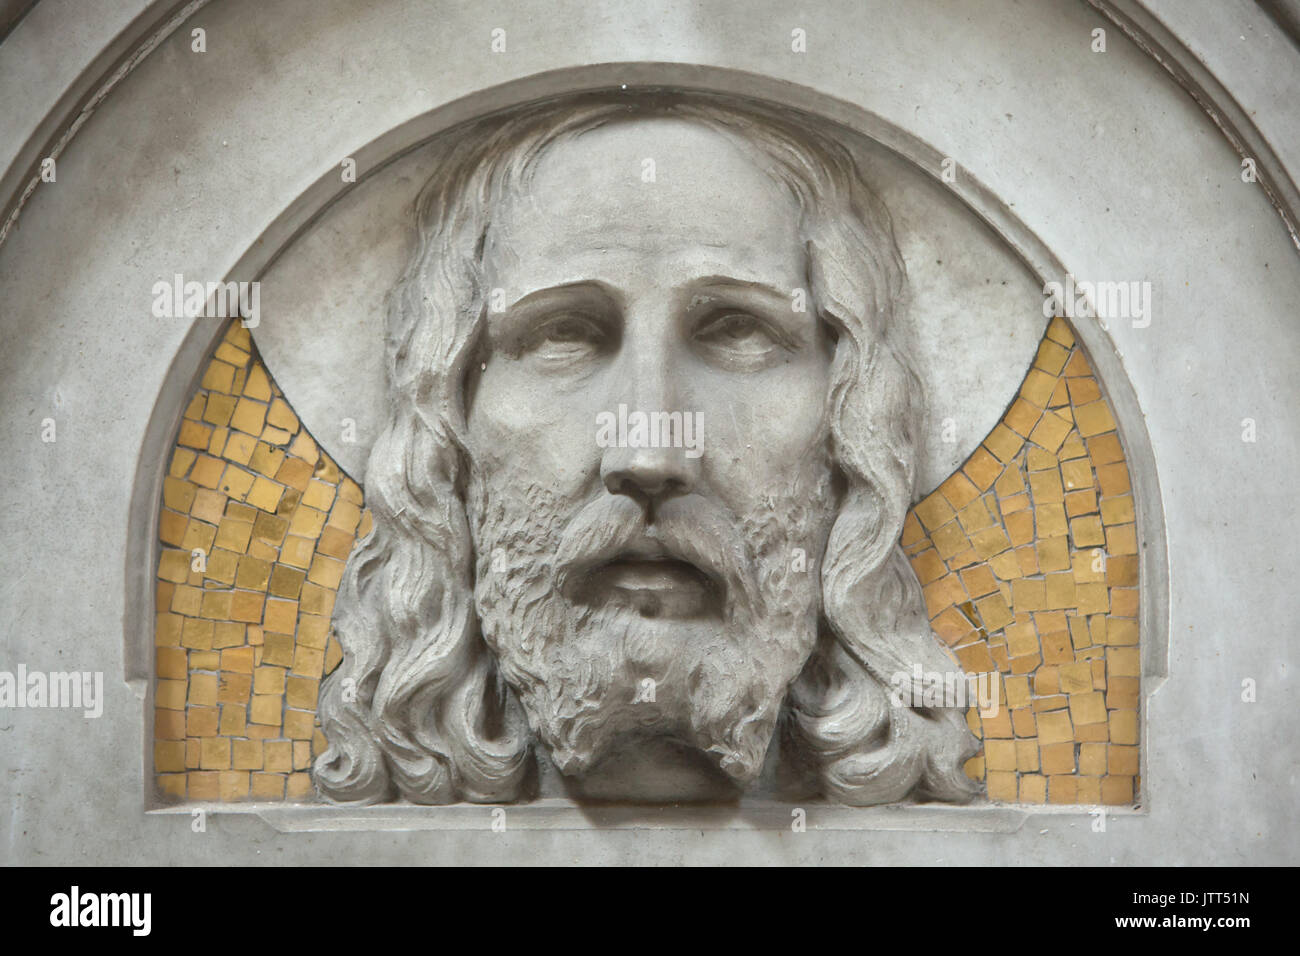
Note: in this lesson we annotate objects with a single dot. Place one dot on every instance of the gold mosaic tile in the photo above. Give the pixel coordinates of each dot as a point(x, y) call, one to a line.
point(251, 512)
point(1051, 603)
point(1026, 557)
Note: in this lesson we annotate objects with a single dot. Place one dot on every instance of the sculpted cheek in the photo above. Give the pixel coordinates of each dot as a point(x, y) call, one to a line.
point(526, 435)
point(764, 438)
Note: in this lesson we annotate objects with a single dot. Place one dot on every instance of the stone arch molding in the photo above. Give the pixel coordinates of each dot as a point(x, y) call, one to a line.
point(872, 117)
point(900, 167)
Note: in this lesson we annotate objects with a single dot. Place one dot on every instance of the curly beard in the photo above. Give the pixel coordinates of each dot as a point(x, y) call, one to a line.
point(591, 677)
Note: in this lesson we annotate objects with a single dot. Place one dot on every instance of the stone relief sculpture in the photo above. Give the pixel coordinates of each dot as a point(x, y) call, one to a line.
point(683, 466)
point(637, 506)
point(674, 485)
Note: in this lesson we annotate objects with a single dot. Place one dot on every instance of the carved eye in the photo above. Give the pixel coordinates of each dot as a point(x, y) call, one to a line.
point(737, 333)
point(565, 337)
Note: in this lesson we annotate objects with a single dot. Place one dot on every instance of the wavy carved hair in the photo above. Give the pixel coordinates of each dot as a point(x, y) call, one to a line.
point(417, 707)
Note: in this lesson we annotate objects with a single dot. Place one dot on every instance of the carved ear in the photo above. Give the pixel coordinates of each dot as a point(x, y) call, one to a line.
point(1027, 558)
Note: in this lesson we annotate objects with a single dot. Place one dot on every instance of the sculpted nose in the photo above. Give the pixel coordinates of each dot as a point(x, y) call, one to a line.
point(653, 452)
point(649, 475)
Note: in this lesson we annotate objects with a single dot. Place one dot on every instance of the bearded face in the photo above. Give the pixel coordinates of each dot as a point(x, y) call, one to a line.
point(611, 628)
point(635, 590)
point(649, 446)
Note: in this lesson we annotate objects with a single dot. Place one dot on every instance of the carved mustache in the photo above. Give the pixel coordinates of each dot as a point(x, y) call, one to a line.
point(688, 528)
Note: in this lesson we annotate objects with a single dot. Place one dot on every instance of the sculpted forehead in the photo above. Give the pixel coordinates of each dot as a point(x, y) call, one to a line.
point(676, 195)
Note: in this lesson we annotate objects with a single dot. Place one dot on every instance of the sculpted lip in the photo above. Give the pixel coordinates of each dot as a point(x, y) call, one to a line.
point(654, 584)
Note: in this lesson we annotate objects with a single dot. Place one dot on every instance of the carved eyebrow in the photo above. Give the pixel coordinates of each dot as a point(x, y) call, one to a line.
point(748, 287)
point(590, 290)
point(508, 327)
point(776, 304)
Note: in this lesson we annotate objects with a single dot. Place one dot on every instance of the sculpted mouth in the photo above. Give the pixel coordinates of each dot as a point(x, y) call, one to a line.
point(653, 583)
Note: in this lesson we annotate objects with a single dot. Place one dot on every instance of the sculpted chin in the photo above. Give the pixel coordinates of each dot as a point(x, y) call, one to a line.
point(538, 612)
